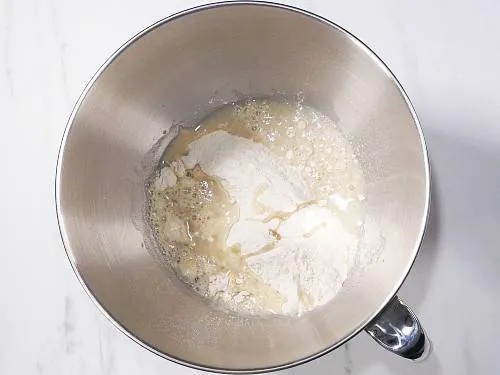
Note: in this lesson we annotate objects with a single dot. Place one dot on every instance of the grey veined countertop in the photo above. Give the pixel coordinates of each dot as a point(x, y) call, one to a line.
point(445, 53)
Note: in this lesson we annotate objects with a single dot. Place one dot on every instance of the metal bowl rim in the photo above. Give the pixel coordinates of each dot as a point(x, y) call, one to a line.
point(109, 61)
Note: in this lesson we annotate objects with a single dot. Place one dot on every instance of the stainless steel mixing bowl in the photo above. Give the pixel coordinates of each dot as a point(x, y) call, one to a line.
point(180, 69)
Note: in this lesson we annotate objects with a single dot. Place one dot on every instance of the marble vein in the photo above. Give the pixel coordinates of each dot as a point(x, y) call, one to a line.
point(6, 45)
point(106, 358)
point(69, 325)
point(62, 46)
point(470, 365)
point(347, 359)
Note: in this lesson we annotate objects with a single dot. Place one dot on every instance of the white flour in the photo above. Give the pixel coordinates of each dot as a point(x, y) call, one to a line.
point(288, 236)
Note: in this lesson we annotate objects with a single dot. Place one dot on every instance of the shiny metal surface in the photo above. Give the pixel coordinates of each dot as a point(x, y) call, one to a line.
point(398, 330)
point(180, 69)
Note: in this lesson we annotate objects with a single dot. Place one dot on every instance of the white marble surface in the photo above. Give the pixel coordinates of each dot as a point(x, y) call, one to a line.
point(446, 54)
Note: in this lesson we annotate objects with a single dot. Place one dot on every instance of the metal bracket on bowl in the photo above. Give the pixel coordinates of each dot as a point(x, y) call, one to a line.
point(398, 330)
